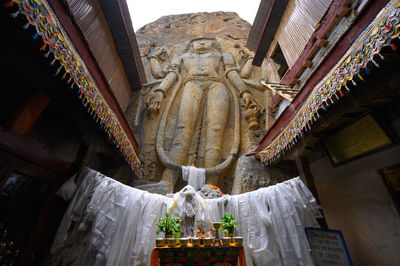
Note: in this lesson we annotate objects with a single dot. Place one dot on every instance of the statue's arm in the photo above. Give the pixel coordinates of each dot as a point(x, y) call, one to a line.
point(154, 101)
point(172, 76)
point(155, 63)
point(167, 83)
point(237, 81)
point(231, 72)
point(246, 70)
point(156, 68)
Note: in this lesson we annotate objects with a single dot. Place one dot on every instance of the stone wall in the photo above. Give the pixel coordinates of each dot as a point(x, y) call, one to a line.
point(356, 201)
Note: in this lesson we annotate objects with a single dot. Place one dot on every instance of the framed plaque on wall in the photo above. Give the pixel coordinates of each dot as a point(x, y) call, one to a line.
point(358, 139)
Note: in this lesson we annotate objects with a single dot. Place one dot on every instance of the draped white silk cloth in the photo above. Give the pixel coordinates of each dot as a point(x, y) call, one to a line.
point(108, 223)
point(196, 177)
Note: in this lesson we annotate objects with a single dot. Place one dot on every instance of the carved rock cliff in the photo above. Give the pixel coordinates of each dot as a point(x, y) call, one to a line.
point(175, 29)
point(159, 42)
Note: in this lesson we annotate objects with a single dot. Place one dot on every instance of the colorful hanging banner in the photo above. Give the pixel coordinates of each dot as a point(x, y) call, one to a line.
point(379, 33)
point(40, 15)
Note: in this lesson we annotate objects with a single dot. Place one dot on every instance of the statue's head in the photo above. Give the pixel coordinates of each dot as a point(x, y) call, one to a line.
point(202, 44)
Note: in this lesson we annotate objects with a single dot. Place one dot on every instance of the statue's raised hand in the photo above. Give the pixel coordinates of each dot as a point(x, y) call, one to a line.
point(154, 101)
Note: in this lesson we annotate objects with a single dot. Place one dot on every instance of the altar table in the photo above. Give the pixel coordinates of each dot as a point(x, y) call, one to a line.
point(177, 256)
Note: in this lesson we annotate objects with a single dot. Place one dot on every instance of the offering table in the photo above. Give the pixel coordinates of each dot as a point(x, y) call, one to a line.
point(200, 255)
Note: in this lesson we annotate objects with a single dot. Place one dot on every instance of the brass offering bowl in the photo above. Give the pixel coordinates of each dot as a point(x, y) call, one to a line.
point(208, 241)
point(184, 241)
point(195, 241)
point(226, 241)
point(171, 242)
point(160, 242)
point(237, 240)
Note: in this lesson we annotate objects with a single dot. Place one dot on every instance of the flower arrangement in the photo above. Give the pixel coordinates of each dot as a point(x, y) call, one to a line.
point(168, 225)
point(228, 223)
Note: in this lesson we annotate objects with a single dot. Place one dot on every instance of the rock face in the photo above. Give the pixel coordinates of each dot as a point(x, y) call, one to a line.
point(251, 174)
point(176, 29)
point(178, 117)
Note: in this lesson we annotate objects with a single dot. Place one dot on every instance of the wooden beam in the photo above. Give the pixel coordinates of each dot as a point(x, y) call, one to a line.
point(307, 63)
point(28, 113)
point(274, 90)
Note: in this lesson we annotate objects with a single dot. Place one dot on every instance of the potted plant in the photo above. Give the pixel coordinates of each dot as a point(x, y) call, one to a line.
point(168, 225)
point(228, 224)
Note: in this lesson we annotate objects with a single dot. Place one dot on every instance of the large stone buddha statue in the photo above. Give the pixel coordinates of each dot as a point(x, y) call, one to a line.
point(210, 85)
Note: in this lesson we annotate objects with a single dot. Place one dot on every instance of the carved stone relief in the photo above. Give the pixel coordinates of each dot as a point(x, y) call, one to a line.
point(202, 98)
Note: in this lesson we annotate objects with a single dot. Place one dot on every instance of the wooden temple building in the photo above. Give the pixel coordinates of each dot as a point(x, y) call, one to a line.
point(342, 124)
point(70, 69)
point(62, 105)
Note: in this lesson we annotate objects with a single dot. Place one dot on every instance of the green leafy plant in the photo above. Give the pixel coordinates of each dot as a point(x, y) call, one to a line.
point(228, 223)
point(168, 225)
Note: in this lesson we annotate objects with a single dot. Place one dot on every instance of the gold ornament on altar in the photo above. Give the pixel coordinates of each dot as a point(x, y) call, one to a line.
point(216, 226)
point(200, 233)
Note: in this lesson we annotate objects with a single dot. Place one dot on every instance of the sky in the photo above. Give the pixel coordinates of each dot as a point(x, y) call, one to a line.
point(146, 11)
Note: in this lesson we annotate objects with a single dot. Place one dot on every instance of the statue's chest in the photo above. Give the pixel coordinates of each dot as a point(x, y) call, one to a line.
point(202, 60)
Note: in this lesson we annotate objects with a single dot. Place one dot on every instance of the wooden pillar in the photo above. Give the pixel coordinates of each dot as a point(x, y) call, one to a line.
point(305, 174)
point(28, 113)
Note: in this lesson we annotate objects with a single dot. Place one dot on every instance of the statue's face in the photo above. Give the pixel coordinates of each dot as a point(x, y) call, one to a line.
point(202, 45)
